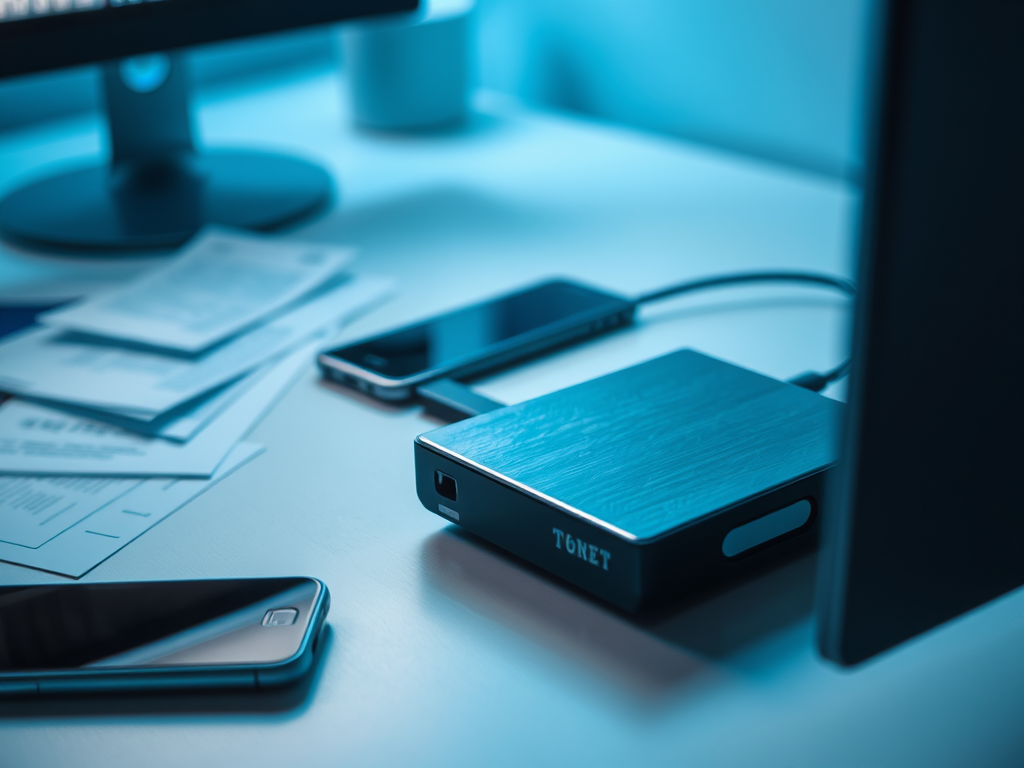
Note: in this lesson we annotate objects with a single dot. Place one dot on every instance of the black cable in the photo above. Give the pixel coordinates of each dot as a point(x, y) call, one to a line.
point(846, 286)
point(813, 381)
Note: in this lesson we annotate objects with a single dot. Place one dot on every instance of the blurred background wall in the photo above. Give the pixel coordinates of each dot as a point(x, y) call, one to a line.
point(777, 79)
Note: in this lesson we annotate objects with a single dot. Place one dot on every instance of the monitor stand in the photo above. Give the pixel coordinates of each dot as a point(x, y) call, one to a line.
point(157, 191)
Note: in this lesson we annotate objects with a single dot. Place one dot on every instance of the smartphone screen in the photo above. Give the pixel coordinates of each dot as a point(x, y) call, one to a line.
point(469, 333)
point(142, 625)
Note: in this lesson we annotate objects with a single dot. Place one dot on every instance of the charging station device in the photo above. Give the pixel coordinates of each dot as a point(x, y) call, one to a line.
point(644, 485)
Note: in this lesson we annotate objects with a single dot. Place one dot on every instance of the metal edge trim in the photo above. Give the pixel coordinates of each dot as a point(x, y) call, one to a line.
point(529, 491)
point(631, 537)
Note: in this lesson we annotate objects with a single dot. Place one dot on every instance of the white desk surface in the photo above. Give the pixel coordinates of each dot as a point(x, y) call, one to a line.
point(443, 651)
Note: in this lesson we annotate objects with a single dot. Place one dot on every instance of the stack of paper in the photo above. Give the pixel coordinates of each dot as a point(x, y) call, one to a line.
point(161, 379)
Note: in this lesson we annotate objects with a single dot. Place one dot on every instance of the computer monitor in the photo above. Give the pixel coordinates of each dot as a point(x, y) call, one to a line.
point(157, 191)
point(927, 521)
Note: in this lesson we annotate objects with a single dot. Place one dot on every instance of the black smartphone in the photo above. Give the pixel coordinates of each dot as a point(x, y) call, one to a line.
point(218, 633)
point(477, 338)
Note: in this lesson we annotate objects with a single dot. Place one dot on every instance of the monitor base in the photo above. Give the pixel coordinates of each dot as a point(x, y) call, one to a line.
point(158, 190)
point(128, 207)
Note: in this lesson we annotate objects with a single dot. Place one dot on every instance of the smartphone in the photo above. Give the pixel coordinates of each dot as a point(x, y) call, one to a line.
point(225, 633)
point(474, 339)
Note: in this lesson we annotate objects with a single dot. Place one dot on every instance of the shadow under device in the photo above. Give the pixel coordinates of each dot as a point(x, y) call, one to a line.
point(157, 190)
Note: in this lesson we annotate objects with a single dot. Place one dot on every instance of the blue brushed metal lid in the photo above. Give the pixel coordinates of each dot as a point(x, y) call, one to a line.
point(648, 449)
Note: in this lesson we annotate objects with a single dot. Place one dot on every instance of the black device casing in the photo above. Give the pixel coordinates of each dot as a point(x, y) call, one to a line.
point(648, 469)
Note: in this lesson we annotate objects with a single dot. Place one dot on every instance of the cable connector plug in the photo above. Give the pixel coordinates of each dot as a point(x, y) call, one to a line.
point(453, 401)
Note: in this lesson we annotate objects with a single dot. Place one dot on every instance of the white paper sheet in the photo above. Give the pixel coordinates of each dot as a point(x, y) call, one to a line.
point(33, 510)
point(184, 423)
point(36, 440)
point(222, 283)
point(104, 528)
point(179, 424)
point(47, 364)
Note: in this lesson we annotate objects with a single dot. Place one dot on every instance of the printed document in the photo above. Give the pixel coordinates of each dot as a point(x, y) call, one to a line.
point(223, 283)
point(96, 525)
point(49, 364)
point(181, 423)
point(36, 440)
point(34, 510)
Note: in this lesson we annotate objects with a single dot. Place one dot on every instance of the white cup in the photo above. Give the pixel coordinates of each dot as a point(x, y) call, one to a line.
point(410, 72)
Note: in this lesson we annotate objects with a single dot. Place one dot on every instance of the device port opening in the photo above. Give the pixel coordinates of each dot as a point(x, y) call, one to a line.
point(446, 486)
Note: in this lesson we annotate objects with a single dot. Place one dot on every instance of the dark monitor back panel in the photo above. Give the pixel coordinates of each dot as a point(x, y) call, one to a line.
point(929, 522)
point(110, 30)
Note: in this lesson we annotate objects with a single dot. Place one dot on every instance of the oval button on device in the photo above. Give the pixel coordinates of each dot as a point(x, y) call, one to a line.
point(280, 617)
point(766, 528)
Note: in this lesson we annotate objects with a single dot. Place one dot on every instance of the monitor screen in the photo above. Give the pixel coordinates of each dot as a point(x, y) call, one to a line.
point(46, 34)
